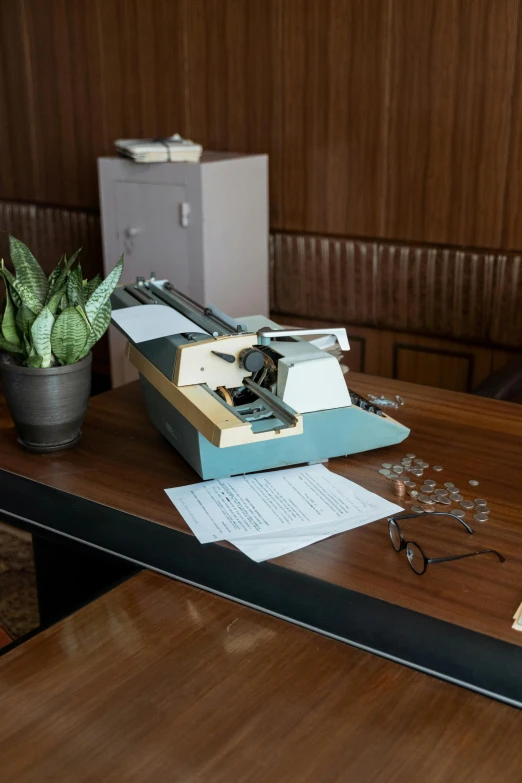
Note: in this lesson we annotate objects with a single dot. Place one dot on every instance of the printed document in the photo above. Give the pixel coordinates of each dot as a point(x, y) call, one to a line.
point(268, 514)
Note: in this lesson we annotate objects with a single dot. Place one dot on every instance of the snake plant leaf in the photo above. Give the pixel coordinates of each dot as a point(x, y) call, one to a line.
point(25, 293)
point(99, 326)
point(28, 271)
point(61, 278)
point(69, 336)
point(101, 295)
point(24, 320)
point(55, 301)
point(90, 286)
point(34, 361)
point(5, 345)
point(75, 289)
point(41, 334)
point(15, 297)
point(9, 330)
point(55, 274)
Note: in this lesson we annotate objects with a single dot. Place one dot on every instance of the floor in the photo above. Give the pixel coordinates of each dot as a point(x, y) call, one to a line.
point(18, 596)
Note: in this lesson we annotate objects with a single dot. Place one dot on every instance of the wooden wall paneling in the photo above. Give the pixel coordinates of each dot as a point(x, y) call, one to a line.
point(19, 167)
point(512, 215)
point(66, 83)
point(333, 79)
point(445, 292)
point(451, 77)
point(142, 66)
point(506, 321)
point(233, 61)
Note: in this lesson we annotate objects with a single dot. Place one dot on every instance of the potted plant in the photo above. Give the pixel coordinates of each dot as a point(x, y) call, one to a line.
point(47, 330)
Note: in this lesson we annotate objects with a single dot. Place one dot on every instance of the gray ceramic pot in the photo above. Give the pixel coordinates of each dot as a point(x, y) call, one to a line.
point(48, 405)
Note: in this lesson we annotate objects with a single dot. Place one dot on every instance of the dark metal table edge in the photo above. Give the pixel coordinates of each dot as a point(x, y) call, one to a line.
point(473, 660)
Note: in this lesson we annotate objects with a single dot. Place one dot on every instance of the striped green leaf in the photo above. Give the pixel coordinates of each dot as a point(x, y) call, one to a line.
point(99, 326)
point(28, 271)
point(24, 320)
point(75, 289)
point(5, 345)
point(61, 278)
point(41, 334)
point(55, 301)
point(16, 299)
point(34, 361)
point(90, 286)
point(102, 294)
point(69, 336)
point(55, 274)
point(9, 330)
point(25, 293)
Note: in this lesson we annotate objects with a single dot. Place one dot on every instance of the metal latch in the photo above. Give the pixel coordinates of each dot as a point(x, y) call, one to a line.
point(184, 214)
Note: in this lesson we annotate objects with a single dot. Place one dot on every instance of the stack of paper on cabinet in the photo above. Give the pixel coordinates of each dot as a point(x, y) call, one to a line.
point(172, 149)
point(266, 515)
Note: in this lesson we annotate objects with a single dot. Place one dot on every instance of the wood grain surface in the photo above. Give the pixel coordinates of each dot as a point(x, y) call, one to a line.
point(160, 681)
point(124, 463)
point(382, 118)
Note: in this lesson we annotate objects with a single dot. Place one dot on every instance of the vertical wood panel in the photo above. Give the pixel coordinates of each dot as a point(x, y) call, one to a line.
point(512, 234)
point(69, 120)
point(451, 72)
point(142, 67)
point(333, 71)
point(233, 81)
point(18, 167)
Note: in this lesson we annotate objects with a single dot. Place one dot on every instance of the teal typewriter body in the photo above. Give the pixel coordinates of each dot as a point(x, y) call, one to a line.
point(240, 396)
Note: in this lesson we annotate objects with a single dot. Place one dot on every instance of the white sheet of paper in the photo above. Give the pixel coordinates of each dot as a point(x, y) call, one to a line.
point(148, 322)
point(289, 500)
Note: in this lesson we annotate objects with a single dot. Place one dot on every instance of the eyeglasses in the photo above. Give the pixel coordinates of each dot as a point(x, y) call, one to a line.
point(415, 554)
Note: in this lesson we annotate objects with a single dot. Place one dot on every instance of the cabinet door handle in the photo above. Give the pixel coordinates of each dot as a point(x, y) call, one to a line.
point(131, 231)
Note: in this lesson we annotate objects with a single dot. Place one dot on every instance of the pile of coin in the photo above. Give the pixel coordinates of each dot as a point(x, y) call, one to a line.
point(427, 495)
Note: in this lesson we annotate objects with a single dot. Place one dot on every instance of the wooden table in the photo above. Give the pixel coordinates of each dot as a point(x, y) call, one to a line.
point(454, 621)
point(159, 681)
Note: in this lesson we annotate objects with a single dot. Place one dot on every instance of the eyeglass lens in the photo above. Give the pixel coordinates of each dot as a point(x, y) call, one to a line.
point(395, 536)
point(415, 558)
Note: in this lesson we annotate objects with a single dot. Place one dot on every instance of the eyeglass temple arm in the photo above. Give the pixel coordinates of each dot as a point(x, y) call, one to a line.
point(467, 554)
point(435, 514)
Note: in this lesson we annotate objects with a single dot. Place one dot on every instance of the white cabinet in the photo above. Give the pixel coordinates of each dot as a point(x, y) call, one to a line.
point(204, 226)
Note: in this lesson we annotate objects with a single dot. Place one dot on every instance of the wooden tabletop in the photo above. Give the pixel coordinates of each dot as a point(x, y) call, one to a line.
point(159, 681)
point(124, 464)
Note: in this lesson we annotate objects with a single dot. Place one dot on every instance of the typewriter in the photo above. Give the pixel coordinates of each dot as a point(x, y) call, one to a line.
point(241, 395)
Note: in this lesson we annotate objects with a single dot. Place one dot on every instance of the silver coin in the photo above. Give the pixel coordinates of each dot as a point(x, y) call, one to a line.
point(398, 469)
point(482, 510)
point(480, 517)
point(425, 499)
point(413, 493)
point(443, 500)
point(386, 465)
point(455, 496)
point(473, 483)
point(429, 509)
point(467, 504)
point(458, 512)
point(406, 463)
point(441, 492)
point(410, 484)
point(411, 456)
point(426, 489)
point(417, 471)
point(418, 509)
point(480, 502)
point(424, 465)
point(384, 472)
point(437, 468)
point(449, 485)
point(418, 461)
point(430, 483)
point(454, 489)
